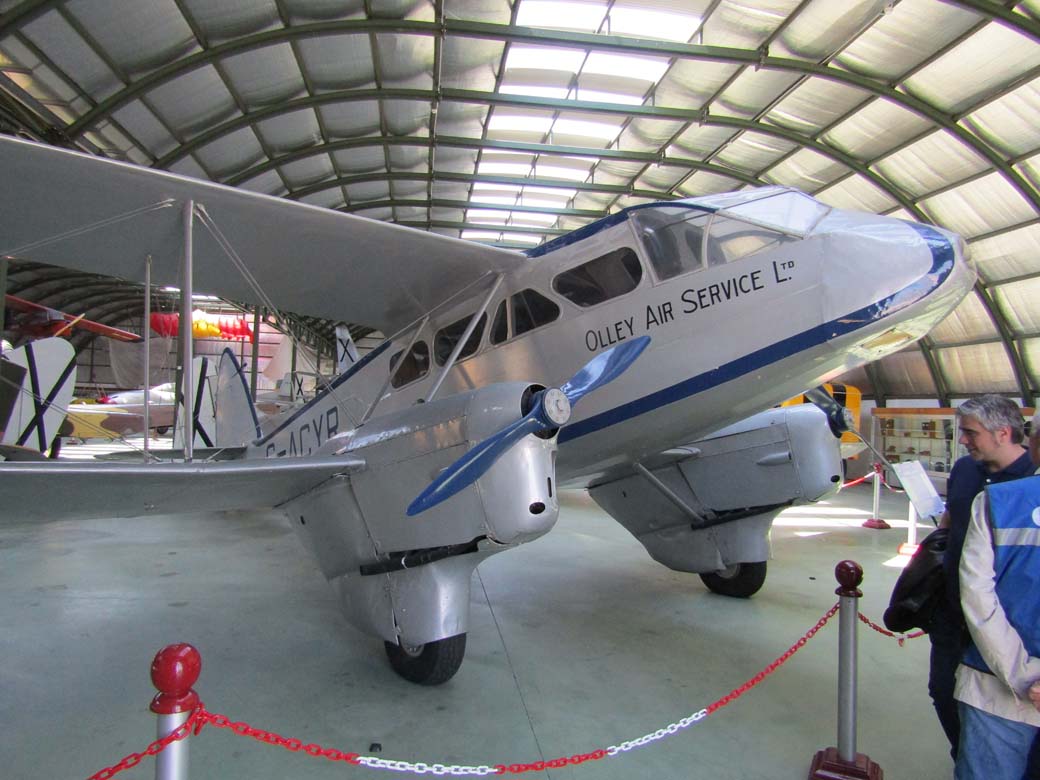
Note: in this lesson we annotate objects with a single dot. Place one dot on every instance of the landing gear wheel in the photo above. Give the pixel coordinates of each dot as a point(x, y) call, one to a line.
point(430, 664)
point(740, 580)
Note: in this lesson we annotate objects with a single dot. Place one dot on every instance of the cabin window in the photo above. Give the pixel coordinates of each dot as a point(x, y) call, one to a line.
point(731, 239)
point(415, 366)
point(531, 310)
point(672, 237)
point(606, 277)
point(500, 325)
point(446, 339)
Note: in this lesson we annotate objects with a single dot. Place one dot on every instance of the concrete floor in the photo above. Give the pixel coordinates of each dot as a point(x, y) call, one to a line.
point(577, 641)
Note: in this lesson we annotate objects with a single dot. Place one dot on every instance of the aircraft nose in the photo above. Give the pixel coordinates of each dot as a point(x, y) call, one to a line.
point(895, 280)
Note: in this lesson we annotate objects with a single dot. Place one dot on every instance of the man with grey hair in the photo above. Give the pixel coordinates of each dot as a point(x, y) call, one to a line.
point(998, 681)
point(991, 430)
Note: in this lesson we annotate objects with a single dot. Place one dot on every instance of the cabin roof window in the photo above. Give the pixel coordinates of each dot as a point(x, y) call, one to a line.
point(416, 365)
point(599, 280)
point(732, 239)
point(446, 339)
point(672, 237)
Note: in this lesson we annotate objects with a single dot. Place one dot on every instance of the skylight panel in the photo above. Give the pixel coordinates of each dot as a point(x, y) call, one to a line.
point(526, 238)
point(526, 124)
point(498, 200)
point(481, 235)
point(647, 23)
point(561, 15)
point(607, 132)
point(625, 65)
point(507, 168)
point(544, 58)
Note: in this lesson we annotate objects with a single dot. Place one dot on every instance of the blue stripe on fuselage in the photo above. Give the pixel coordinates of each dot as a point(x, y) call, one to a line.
point(942, 265)
point(328, 389)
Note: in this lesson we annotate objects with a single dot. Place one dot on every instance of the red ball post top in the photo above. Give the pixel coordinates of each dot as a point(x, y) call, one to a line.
point(174, 670)
point(849, 575)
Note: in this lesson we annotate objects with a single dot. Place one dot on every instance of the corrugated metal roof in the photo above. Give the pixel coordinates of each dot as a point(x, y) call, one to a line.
point(512, 122)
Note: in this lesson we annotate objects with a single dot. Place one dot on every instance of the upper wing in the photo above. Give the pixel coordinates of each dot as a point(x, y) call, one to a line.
point(64, 491)
point(306, 259)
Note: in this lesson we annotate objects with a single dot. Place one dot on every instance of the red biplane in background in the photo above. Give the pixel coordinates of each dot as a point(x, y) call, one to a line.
point(35, 321)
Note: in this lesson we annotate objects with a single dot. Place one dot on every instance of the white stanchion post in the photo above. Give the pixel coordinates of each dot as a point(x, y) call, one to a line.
point(875, 520)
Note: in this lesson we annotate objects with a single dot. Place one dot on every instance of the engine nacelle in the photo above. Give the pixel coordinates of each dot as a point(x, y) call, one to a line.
point(407, 578)
point(732, 483)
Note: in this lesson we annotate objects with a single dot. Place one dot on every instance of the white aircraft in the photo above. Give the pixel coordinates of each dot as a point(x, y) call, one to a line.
point(443, 445)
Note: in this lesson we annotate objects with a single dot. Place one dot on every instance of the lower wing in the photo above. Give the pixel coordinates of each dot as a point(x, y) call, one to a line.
point(65, 491)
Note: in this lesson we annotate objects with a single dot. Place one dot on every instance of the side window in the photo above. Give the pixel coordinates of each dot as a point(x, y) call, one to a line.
point(446, 339)
point(606, 277)
point(531, 310)
point(416, 365)
point(672, 238)
point(731, 239)
point(500, 325)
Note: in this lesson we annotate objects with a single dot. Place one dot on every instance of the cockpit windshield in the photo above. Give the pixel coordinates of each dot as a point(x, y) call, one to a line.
point(691, 234)
point(787, 210)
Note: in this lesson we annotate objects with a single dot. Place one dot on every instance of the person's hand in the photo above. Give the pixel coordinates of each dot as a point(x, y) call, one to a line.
point(1034, 694)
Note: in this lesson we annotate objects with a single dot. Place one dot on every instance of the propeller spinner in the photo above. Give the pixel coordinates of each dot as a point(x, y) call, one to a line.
point(551, 409)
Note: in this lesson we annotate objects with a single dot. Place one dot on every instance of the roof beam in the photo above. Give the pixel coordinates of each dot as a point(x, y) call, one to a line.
point(472, 204)
point(590, 41)
point(520, 181)
point(493, 145)
point(1007, 338)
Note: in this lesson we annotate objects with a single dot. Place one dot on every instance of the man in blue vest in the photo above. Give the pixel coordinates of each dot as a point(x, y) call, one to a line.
point(997, 681)
point(992, 432)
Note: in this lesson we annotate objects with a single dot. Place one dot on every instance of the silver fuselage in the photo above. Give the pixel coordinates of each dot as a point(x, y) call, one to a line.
point(727, 340)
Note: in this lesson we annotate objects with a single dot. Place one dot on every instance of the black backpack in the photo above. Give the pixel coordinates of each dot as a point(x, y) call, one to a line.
point(921, 587)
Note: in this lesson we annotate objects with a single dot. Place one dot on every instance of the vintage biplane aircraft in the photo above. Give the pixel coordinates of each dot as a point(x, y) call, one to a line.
point(632, 357)
point(35, 321)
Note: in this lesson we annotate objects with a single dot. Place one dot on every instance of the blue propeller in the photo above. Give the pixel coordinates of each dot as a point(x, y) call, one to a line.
point(552, 409)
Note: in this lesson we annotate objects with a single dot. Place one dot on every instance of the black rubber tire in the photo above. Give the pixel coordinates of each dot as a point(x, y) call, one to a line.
point(741, 580)
point(430, 664)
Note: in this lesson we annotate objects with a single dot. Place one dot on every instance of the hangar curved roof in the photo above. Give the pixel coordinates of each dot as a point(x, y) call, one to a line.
point(513, 122)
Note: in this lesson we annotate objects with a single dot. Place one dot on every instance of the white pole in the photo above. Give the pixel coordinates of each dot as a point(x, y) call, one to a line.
point(146, 328)
point(186, 348)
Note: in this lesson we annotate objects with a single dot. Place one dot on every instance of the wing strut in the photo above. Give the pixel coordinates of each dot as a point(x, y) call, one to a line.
point(465, 337)
point(394, 369)
point(19, 250)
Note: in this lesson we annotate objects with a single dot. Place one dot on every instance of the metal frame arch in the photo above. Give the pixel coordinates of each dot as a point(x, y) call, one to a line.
point(490, 98)
point(492, 145)
point(550, 38)
point(1007, 338)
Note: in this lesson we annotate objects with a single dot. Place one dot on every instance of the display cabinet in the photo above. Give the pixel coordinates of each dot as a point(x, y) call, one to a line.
point(927, 435)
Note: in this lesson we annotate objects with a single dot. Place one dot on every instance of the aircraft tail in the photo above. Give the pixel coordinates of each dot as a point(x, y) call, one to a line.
point(35, 391)
point(221, 405)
